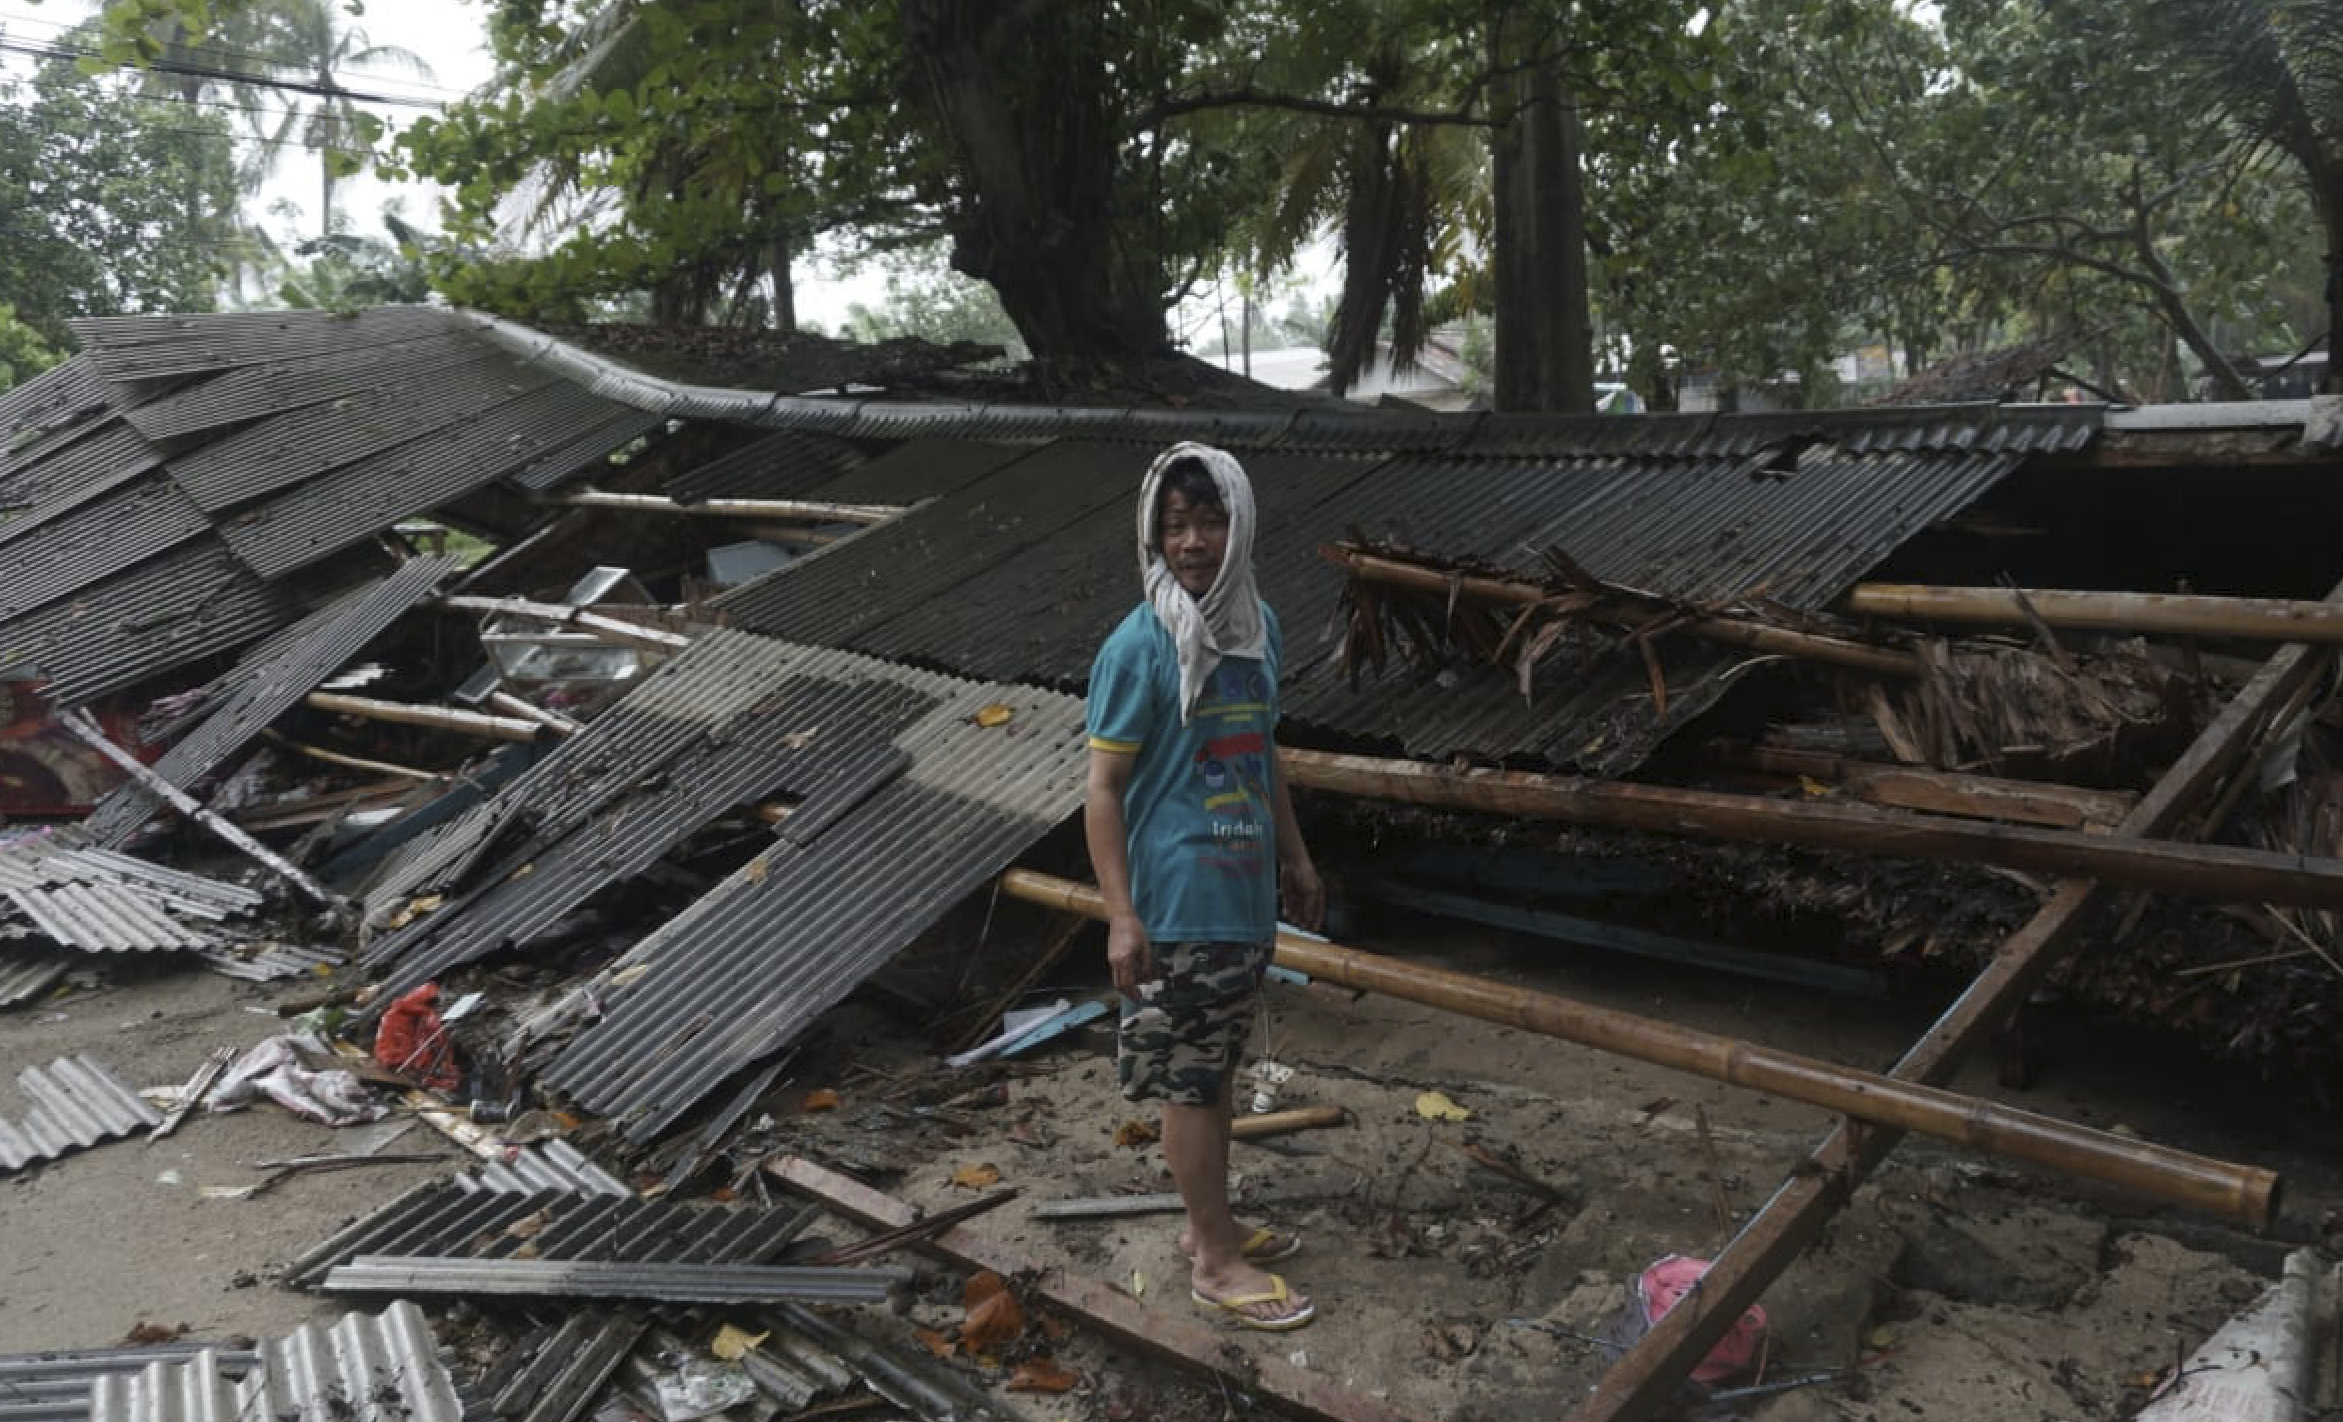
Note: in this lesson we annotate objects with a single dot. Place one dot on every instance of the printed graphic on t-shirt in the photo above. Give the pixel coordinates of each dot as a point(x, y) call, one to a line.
point(1230, 772)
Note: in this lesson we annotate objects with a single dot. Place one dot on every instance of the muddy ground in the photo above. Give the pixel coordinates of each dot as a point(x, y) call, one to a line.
point(1954, 1287)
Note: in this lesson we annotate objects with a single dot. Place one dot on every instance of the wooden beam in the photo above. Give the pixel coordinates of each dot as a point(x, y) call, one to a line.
point(2241, 1193)
point(1757, 636)
point(2210, 871)
point(1642, 1382)
point(2265, 619)
point(1179, 1340)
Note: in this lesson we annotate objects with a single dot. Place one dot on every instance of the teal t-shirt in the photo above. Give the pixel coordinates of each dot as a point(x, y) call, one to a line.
point(1201, 832)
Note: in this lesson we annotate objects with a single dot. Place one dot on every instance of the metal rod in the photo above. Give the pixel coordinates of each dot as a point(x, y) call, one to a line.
point(79, 723)
point(1731, 631)
point(2215, 871)
point(2236, 1192)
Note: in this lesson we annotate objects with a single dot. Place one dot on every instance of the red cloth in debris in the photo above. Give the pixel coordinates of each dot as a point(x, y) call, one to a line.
point(413, 1040)
point(1665, 1283)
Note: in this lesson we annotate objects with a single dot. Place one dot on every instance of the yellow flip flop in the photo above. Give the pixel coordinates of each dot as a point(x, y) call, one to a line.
point(1235, 1305)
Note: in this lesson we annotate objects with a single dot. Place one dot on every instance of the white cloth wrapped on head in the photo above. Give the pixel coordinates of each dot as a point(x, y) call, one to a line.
point(1228, 620)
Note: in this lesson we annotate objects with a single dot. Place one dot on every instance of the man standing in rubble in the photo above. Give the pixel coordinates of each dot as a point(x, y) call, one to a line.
point(1193, 838)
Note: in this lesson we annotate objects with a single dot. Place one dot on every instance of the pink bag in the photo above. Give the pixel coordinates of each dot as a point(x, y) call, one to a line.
point(1658, 1288)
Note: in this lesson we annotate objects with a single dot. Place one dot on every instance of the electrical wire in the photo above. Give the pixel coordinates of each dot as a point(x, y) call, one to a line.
point(243, 59)
point(230, 76)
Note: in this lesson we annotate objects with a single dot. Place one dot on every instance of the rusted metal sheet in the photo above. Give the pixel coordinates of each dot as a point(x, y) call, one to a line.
point(265, 687)
point(738, 974)
point(75, 1103)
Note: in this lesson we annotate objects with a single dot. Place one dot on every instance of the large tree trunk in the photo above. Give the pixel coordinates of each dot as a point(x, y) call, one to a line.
point(1026, 101)
point(1544, 336)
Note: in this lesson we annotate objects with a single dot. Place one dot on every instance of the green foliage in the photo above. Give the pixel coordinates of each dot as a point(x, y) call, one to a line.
point(930, 303)
point(110, 203)
point(23, 354)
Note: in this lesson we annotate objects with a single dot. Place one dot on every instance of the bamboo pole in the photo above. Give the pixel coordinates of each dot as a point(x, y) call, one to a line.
point(441, 718)
point(79, 723)
point(379, 767)
point(1780, 641)
point(2210, 871)
point(2267, 619)
point(609, 629)
point(799, 510)
point(2241, 1193)
point(1643, 1382)
point(527, 710)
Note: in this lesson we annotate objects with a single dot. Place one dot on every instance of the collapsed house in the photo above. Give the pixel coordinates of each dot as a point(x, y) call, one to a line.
point(710, 667)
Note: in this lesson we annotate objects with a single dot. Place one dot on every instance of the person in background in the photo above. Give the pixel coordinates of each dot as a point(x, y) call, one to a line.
point(1193, 840)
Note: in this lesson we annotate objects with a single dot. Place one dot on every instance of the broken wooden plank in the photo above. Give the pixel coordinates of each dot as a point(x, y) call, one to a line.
point(2264, 619)
point(1206, 1350)
point(2224, 872)
point(1642, 1382)
point(2243, 1193)
point(1941, 792)
point(607, 628)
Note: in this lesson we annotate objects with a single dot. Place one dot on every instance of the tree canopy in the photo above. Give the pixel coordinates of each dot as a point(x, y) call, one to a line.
point(1750, 188)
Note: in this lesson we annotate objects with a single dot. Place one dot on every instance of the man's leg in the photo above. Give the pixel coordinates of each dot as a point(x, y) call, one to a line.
point(1195, 1146)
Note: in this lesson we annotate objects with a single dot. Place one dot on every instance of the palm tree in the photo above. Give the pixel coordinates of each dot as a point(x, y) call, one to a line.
point(2272, 72)
point(304, 40)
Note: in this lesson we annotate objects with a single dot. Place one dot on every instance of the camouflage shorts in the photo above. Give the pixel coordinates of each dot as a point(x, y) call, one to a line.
point(1181, 1041)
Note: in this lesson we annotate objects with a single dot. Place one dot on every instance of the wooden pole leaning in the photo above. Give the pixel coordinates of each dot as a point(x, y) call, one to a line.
point(2244, 1194)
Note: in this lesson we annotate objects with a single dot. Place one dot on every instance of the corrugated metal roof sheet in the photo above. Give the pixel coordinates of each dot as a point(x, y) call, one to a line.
point(269, 962)
point(134, 348)
point(26, 972)
point(738, 974)
point(56, 1386)
point(57, 406)
point(360, 1369)
point(1021, 574)
point(579, 1278)
point(843, 591)
point(408, 401)
point(591, 443)
point(71, 476)
point(76, 1102)
point(352, 502)
point(547, 1165)
point(787, 465)
point(111, 903)
point(278, 386)
point(95, 542)
point(265, 688)
point(447, 1221)
point(193, 603)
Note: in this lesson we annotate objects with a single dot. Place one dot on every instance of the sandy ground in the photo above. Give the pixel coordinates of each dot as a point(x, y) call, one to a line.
point(1964, 1287)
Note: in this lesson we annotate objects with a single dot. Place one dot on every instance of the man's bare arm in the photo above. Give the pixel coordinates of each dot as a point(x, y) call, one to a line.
point(1103, 830)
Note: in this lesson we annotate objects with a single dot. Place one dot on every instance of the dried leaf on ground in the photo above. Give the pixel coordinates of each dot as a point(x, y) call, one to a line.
point(979, 1176)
